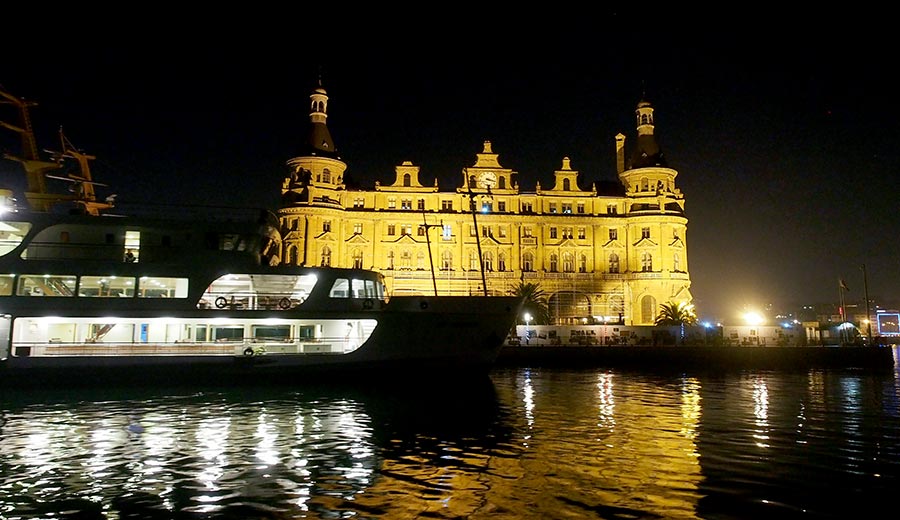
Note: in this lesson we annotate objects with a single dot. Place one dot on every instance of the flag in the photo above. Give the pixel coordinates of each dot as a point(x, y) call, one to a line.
point(843, 284)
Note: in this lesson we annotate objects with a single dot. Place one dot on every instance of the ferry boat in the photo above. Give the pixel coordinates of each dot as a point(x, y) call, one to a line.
point(200, 295)
point(88, 298)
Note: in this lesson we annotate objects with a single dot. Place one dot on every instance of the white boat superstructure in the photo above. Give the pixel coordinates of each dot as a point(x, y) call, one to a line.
point(123, 298)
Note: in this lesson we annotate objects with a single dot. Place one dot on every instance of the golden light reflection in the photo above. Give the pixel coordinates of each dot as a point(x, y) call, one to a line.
point(690, 407)
point(761, 411)
point(528, 400)
point(606, 402)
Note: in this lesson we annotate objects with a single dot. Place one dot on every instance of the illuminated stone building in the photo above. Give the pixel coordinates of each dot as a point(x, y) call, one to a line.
point(598, 257)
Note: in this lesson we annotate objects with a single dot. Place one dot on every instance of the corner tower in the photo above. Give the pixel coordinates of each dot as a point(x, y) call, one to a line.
point(655, 222)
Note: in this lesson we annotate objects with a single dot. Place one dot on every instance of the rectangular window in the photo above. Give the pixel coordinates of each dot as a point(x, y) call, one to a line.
point(526, 231)
point(447, 205)
point(392, 203)
point(611, 209)
point(645, 232)
point(527, 207)
point(501, 206)
point(552, 207)
point(406, 229)
point(567, 208)
point(447, 232)
point(421, 231)
point(326, 226)
point(162, 287)
point(553, 232)
point(391, 230)
point(580, 208)
point(581, 233)
point(502, 230)
point(46, 285)
point(406, 204)
point(473, 232)
point(485, 231)
point(359, 202)
point(357, 228)
point(106, 286)
point(421, 205)
point(613, 234)
point(6, 284)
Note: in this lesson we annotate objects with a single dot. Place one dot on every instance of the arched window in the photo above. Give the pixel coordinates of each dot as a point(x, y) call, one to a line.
point(645, 184)
point(582, 264)
point(292, 256)
point(406, 260)
point(613, 263)
point(326, 175)
point(676, 262)
point(446, 260)
point(406, 180)
point(326, 256)
point(472, 182)
point(473, 261)
point(357, 259)
point(501, 183)
point(566, 185)
point(554, 263)
point(390, 259)
point(420, 260)
point(568, 263)
point(488, 261)
point(501, 262)
point(646, 262)
point(528, 262)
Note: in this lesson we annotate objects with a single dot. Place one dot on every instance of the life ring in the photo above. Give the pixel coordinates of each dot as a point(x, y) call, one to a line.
point(284, 303)
point(221, 302)
point(248, 351)
point(368, 303)
point(423, 305)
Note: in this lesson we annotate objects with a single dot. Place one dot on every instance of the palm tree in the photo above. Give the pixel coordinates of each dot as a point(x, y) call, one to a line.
point(676, 314)
point(535, 302)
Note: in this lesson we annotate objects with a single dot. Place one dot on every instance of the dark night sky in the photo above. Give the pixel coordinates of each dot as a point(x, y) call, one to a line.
point(787, 154)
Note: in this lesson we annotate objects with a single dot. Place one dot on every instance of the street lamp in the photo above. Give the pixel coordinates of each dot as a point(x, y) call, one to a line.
point(527, 320)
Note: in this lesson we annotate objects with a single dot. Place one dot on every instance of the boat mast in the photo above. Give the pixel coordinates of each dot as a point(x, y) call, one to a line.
point(35, 168)
point(428, 242)
point(473, 206)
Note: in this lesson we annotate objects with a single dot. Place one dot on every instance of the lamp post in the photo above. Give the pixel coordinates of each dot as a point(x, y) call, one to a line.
point(527, 323)
point(473, 206)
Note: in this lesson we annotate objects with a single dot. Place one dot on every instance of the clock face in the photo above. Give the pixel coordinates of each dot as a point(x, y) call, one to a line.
point(488, 179)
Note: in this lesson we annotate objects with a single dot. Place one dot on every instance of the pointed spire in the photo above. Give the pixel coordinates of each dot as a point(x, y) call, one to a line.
point(320, 142)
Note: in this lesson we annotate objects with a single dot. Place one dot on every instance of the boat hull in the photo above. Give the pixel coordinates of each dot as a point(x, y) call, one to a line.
point(416, 338)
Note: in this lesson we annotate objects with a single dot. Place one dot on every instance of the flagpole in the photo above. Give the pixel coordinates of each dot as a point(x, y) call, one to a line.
point(841, 296)
point(868, 318)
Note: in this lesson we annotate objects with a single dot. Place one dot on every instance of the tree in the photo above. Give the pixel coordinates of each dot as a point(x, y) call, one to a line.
point(676, 314)
point(535, 302)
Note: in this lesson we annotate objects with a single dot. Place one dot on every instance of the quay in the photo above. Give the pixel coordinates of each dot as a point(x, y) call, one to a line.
point(700, 358)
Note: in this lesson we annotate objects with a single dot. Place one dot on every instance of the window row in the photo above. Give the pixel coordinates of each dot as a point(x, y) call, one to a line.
point(93, 286)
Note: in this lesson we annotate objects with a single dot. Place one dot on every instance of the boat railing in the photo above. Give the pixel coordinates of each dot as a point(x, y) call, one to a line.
point(249, 300)
point(236, 347)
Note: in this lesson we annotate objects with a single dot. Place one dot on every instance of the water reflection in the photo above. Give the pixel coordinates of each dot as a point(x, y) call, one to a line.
point(526, 443)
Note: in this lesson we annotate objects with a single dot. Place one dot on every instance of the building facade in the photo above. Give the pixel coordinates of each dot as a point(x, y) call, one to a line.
point(598, 257)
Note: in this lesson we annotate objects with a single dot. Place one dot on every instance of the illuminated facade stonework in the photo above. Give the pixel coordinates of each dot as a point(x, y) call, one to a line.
point(598, 257)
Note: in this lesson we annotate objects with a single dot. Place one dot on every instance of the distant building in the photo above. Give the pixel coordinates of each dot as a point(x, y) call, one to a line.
point(599, 257)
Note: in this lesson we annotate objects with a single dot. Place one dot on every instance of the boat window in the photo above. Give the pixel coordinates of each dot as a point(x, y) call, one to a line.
point(271, 332)
point(106, 286)
point(340, 288)
point(359, 289)
point(12, 234)
point(6, 284)
point(46, 285)
point(161, 287)
point(228, 333)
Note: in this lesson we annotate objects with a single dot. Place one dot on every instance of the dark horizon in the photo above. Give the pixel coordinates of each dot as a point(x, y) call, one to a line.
point(787, 168)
